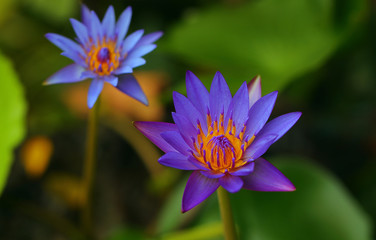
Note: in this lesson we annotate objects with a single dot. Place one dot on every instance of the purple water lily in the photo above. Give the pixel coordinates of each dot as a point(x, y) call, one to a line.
point(102, 53)
point(221, 138)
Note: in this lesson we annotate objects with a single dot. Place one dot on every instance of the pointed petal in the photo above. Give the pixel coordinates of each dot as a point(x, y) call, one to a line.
point(95, 89)
point(238, 108)
point(108, 23)
point(176, 160)
point(69, 74)
point(86, 15)
point(219, 97)
point(197, 93)
point(122, 25)
point(123, 69)
point(75, 57)
point(231, 183)
point(153, 130)
point(176, 141)
point(197, 163)
point(131, 41)
point(279, 125)
point(65, 44)
point(141, 51)
point(254, 90)
point(149, 38)
point(95, 27)
point(129, 85)
point(267, 178)
point(87, 74)
point(80, 30)
point(259, 146)
point(186, 129)
point(113, 80)
point(259, 113)
point(243, 170)
point(197, 190)
point(133, 62)
point(184, 107)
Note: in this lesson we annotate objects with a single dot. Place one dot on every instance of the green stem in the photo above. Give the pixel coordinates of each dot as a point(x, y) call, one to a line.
point(89, 167)
point(226, 214)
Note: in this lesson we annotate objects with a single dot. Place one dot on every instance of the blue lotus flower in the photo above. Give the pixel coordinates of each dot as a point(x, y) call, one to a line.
point(104, 53)
point(221, 138)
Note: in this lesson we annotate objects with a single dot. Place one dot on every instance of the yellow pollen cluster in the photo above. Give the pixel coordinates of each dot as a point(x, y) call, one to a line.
point(103, 65)
point(220, 150)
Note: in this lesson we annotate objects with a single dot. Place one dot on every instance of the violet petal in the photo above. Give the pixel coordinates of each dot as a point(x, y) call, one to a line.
point(198, 189)
point(267, 178)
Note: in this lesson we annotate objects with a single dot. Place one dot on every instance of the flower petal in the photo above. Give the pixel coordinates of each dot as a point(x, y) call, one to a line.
point(69, 74)
point(186, 129)
point(243, 170)
point(129, 85)
point(176, 141)
point(219, 97)
point(238, 108)
point(87, 74)
point(267, 178)
point(122, 25)
point(95, 28)
point(198, 189)
point(75, 57)
point(259, 146)
point(111, 79)
point(131, 41)
point(86, 15)
point(279, 125)
point(65, 44)
point(211, 174)
point(254, 90)
point(231, 183)
point(184, 107)
point(197, 93)
point(259, 114)
point(197, 163)
point(124, 68)
point(95, 89)
point(149, 38)
point(133, 62)
point(153, 130)
point(176, 160)
point(108, 23)
point(141, 51)
point(80, 30)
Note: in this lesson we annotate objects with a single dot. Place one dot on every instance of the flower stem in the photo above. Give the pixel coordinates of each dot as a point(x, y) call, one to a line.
point(226, 214)
point(89, 167)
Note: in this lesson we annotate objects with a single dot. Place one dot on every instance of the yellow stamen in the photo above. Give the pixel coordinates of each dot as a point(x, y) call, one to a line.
point(103, 65)
point(219, 149)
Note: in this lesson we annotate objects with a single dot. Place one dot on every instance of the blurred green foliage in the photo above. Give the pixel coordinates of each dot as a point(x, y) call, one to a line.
point(280, 40)
point(12, 120)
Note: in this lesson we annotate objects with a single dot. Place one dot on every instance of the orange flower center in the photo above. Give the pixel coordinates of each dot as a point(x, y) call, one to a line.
point(220, 150)
point(103, 57)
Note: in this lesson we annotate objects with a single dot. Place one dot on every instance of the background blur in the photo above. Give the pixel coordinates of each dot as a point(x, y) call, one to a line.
point(319, 54)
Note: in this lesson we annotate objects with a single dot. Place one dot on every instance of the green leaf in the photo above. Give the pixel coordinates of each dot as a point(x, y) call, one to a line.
point(171, 216)
point(12, 120)
point(280, 40)
point(320, 208)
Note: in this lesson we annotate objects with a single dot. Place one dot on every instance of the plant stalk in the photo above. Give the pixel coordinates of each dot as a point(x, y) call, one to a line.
point(89, 168)
point(226, 214)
